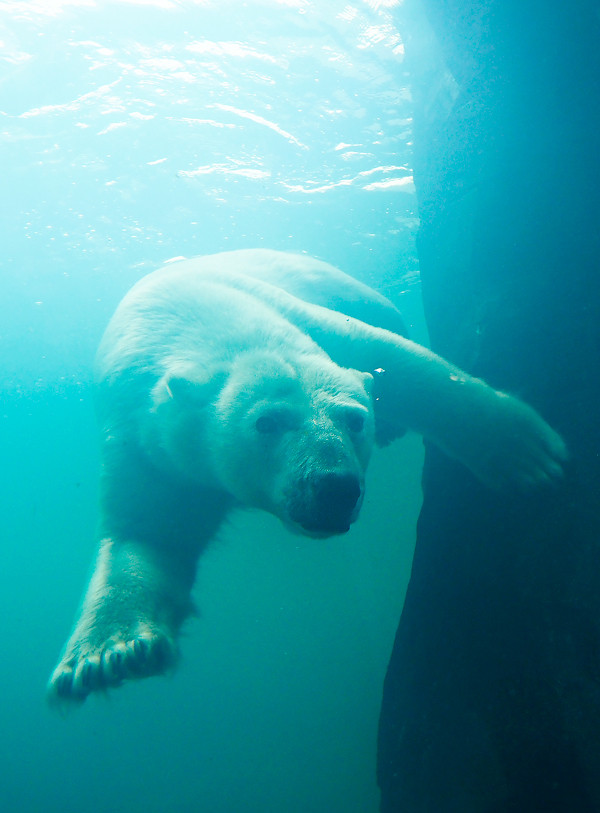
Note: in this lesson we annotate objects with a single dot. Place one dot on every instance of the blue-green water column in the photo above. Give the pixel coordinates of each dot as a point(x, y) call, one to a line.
point(492, 697)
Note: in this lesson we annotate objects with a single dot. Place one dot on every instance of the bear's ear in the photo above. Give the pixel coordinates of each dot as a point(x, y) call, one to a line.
point(192, 386)
point(368, 382)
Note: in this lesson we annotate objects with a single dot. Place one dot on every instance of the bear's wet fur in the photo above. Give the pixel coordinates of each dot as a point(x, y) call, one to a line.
point(261, 379)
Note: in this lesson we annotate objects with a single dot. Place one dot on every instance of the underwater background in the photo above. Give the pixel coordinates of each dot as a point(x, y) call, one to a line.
point(132, 133)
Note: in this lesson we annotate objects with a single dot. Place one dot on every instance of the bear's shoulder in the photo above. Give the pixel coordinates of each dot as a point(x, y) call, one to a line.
point(307, 278)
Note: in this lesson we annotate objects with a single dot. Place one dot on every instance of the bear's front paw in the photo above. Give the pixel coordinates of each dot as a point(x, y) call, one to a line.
point(81, 672)
point(512, 446)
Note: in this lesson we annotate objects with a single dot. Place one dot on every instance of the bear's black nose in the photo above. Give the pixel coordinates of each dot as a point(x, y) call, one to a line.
point(335, 496)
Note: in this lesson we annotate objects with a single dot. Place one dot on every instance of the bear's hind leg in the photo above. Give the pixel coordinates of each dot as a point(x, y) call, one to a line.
point(135, 604)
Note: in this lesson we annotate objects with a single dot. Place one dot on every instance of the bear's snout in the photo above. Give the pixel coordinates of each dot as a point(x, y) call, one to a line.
point(327, 503)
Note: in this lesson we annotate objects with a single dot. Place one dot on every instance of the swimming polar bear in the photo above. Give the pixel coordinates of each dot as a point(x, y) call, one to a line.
point(262, 379)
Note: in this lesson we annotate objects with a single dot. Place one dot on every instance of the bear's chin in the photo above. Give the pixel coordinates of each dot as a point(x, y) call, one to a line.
point(315, 532)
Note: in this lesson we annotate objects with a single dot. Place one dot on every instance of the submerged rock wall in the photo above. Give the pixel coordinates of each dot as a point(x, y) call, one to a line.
point(492, 697)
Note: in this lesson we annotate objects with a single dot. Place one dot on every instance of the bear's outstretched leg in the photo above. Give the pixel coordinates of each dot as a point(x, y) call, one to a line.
point(129, 620)
point(152, 531)
point(502, 440)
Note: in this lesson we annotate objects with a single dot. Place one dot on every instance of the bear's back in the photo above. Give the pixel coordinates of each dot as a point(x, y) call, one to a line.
point(311, 280)
point(205, 307)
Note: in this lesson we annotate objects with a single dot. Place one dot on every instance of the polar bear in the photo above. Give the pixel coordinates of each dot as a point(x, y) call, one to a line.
point(262, 379)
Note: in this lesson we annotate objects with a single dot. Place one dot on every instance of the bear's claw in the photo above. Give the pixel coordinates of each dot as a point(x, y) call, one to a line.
point(77, 676)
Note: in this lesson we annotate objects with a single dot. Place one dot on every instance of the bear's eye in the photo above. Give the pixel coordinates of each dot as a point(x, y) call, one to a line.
point(270, 423)
point(355, 421)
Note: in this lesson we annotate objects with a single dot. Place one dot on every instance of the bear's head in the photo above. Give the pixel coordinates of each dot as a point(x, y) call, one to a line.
point(295, 439)
point(292, 438)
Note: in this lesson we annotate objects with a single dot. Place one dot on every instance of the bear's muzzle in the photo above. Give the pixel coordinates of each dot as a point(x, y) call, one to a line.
point(327, 503)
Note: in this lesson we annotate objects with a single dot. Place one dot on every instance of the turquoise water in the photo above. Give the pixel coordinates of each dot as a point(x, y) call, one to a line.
point(133, 133)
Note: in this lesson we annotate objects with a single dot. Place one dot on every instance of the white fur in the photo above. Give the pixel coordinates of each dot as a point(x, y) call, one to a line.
point(259, 379)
